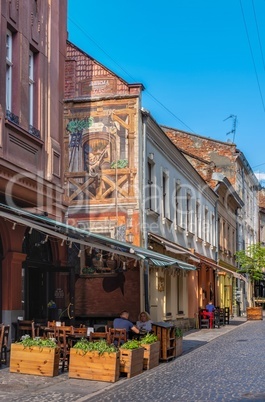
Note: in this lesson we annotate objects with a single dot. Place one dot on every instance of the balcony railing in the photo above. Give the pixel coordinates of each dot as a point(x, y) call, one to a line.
point(34, 131)
point(12, 117)
point(112, 183)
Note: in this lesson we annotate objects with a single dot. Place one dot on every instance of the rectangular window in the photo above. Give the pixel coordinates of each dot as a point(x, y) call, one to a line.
point(31, 87)
point(198, 219)
point(206, 225)
point(150, 186)
point(177, 206)
point(188, 212)
point(165, 196)
point(8, 71)
point(212, 240)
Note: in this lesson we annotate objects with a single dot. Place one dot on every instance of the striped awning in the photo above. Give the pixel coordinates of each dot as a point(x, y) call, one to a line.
point(73, 234)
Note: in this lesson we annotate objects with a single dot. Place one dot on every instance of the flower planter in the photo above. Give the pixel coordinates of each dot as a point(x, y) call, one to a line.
point(179, 346)
point(94, 366)
point(254, 313)
point(151, 355)
point(131, 362)
point(34, 360)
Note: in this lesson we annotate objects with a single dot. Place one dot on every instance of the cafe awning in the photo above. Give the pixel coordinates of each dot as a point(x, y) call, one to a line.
point(173, 247)
point(219, 268)
point(71, 234)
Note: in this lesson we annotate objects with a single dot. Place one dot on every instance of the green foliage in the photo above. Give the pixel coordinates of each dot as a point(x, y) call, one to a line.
point(120, 164)
point(99, 346)
point(252, 261)
point(178, 332)
point(29, 342)
point(78, 125)
point(131, 344)
point(148, 339)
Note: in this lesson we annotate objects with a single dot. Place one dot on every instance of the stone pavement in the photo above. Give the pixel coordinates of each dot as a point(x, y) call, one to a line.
point(21, 387)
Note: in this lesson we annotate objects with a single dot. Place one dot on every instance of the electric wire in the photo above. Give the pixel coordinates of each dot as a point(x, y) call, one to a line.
point(128, 74)
point(252, 56)
point(257, 27)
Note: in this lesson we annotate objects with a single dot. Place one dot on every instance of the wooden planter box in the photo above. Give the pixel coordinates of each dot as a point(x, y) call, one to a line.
point(92, 366)
point(131, 362)
point(151, 355)
point(179, 346)
point(34, 360)
point(254, 313)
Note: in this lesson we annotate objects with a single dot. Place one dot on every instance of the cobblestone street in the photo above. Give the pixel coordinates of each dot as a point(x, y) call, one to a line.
point(213, 368)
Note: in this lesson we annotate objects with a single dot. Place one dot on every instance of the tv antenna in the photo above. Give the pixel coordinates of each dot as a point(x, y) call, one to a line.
point(233, 131)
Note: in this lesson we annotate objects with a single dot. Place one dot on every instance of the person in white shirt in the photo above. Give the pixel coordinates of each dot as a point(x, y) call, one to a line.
point(144, 322)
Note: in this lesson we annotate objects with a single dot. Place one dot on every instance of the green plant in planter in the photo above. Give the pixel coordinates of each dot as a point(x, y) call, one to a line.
point(99, 346)
point(29, 342)
point(131, 344)
point(178, 332)
point(148, 339)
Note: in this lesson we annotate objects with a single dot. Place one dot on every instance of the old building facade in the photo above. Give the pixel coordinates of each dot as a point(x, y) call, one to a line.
point(213, 158)
point(33, 43)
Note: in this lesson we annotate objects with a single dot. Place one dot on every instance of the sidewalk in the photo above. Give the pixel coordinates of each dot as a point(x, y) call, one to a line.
point(199, 337)
point(13, 386)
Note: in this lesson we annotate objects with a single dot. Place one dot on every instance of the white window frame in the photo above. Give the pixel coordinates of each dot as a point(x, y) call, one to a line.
point(151, 185)
point(31, 88)
point(9, 65)
point(165, 195)
point(198, 219)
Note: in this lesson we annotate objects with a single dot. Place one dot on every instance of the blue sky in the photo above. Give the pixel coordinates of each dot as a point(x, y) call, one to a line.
point(199, 61)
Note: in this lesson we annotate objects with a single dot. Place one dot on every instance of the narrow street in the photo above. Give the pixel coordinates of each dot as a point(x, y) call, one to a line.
point(216, 366)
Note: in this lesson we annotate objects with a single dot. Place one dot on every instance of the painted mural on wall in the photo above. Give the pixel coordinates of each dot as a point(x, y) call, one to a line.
point(101, 150)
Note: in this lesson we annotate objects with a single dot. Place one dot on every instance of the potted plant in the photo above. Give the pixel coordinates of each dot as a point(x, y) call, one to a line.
point(151, 346)
point(131, 358)
point(35, 356)
point(94, 361)
point(179, 341)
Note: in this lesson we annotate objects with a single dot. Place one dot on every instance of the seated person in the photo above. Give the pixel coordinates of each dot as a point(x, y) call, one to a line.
point(123, 323)
point(144, 322)
point(210, 307)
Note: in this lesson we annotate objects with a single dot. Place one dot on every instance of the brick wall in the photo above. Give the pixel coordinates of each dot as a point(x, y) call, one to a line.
point(206, 155)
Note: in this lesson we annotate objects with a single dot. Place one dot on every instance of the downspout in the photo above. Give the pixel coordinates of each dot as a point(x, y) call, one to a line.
point(216, 301)
point(145, 115)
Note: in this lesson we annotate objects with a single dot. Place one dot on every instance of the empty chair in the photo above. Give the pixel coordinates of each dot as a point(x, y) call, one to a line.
point(27, 327)
point(98, 336)
point(100, 328)
point(4, 344)
point(205, 323)
point(117, 336)
point(52, 324)
point(2, 330)
point(80, 330)
point(61, 336)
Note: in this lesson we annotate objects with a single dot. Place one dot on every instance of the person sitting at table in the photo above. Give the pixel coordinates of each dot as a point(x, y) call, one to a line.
point(210, 307)
point(123, 322)
point(144, 323)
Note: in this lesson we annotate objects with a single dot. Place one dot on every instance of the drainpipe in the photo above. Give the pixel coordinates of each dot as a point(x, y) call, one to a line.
point(216, 253)
point(144, 239)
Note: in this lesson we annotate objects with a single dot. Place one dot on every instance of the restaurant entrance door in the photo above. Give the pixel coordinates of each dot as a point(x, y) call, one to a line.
point(44, 284)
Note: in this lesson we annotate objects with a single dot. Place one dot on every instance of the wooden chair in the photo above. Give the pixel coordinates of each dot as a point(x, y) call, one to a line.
point(98, 336)
point(117, 336)
point(2, 331)
point(5, 349)
point(80, 330)
point(52, 324)
point(100, 328)
point(27, 327)
point(61, 336)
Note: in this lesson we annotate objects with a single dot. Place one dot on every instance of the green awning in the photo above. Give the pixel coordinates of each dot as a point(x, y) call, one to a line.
point(83, 237)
